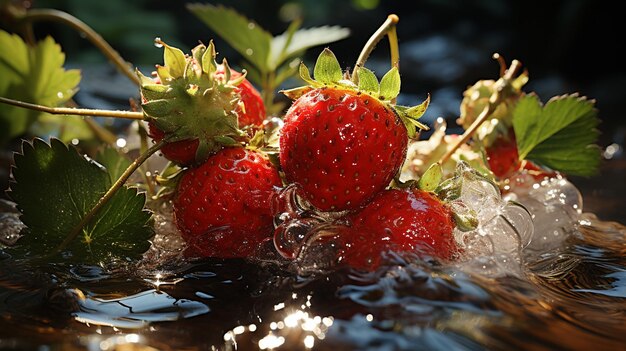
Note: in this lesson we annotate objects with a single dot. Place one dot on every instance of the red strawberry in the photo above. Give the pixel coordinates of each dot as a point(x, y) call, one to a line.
point(342, 143)
point(182, 152)
point(197, 105)
point(407, 220)
point(222, 207)
point(504, 162)
point(251, 110)
point(502, 156)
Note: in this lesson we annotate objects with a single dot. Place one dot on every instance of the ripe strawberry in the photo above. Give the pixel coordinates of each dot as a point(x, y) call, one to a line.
point(502, 156)
point(504, 162)
point(222, 207)
point(251, 110)
point(183, 152)
point(195, 103)
point(342, 143)
point(407, 220)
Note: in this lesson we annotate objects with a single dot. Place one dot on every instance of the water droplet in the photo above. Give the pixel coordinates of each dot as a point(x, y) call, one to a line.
point(251, 25)
point(60, 95)
point(75, 141)
point(249, 52)
point(158, 43)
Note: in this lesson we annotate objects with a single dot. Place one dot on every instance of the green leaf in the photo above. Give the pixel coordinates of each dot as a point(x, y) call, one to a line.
point(367, 81)
point(174, 60)
point(431, 178)
point(287, 71)
point(209, 65)
point(559, 135)
point(66, 128)
point(410, 116)
point(306, 76)
point(415, 112)
point(290, 43)
point(244, 35)
point(327, 69)
point(114, 162)
point(390, 85)
point(35, 75)
point(55, 187)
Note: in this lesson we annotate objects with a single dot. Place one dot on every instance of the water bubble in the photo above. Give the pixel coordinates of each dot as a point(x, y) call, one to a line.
point(504, 227)
point(291, 236)
point(556, 205)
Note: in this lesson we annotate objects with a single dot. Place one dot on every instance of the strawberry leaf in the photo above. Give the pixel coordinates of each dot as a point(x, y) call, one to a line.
point(114, 162)
point(174, 60)
point(430, 180)
point(73, 185)
point(368, 81)
point(295, 42)
point(415, 112)
point(390, 85)
point(243, 34)
point(35, 75)
point(559, 135)
point(327, 69)
point(306, 75)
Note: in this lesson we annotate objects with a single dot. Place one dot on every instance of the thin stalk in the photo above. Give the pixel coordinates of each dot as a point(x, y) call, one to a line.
point(267, 90)
point(98, 130)
point(108, 195)
point(494, 100)
point(143, 147)
point(91, 35)
point(388, 28)
point(73, 111)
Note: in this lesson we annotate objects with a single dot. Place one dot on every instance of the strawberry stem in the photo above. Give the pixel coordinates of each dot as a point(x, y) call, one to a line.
point(501, 62)
point(74, 111)
point(90, 34)
point(494, 100)
point(388, 28)
point(108, 195)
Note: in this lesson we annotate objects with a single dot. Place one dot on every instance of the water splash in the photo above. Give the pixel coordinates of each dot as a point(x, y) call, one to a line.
point(556, 206)
point(135, 311)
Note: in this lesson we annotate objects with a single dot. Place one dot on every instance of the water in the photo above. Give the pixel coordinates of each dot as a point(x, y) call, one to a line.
point(559, 284)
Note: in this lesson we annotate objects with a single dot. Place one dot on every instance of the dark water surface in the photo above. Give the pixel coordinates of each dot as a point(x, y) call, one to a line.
point(569, 298)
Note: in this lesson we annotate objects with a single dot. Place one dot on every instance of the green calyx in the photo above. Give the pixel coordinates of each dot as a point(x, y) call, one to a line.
point(477, 97)
point(190, 98)
point(327, 72)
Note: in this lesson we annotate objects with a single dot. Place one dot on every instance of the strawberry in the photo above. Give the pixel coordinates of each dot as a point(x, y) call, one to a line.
point(504, 162)
point(183, 152)
point(199, 107)
point(251, 110)
point(342, 143)
point(398, 220)
point(502, 156)
point(222, 207)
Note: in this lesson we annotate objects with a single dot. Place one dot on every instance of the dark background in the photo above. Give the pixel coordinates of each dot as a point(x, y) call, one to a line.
point(567, 46)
